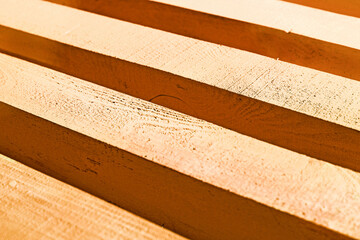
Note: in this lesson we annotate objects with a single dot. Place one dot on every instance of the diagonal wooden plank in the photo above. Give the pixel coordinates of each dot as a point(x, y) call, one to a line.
point(196, 178)
point(278, 29)
point(36, 206)
point(267, 99)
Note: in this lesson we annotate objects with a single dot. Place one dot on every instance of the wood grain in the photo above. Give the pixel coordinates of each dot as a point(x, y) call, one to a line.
point(193, 177)
point(303, 110)
point(36, 206)
point(308, 37)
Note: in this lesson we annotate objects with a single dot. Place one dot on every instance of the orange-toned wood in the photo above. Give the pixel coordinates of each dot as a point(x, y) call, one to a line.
point(36, 206)
point(308, 37)
point(196, 178)
point(347, 7)
point(301, 109)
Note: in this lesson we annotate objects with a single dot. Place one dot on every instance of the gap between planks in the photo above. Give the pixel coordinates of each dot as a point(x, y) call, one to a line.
point(308, 37)
point(36, 206)
point(301, 109)
point(178, 171)
point(346, 7)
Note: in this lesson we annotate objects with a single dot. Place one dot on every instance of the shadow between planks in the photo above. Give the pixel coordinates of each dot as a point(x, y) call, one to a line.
point(176, 201)
point(295, 131)
point(346, 7)
point(271, 42)
point(161, 194)
point(36, 206)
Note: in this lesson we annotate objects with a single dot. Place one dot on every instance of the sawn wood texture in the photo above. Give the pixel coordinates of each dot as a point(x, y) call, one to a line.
point(301, 109)
point(294, 33)
point(36, 206)
point(198, 179)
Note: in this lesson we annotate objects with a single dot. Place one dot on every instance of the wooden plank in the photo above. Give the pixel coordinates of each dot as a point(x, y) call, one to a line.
point(193, 177)
point(347, 7)
point(278, 29)
point(297, 108)
point(36, 206)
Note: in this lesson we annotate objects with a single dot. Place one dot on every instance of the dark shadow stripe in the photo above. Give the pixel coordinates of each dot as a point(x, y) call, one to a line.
point(345, 7)
point(267, 122)
point(176, 201)
point(270, 42)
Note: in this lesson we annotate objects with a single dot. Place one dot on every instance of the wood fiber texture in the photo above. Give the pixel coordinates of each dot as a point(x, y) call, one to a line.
point(36, 206)
point(189, 175)
point(291, 32)
point(298, 108)
point(216, 121)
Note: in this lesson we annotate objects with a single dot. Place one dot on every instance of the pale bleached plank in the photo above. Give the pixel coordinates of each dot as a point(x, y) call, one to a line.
point(196, 178)
point(223, 85)
point(278, 29)
point(36, 206)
